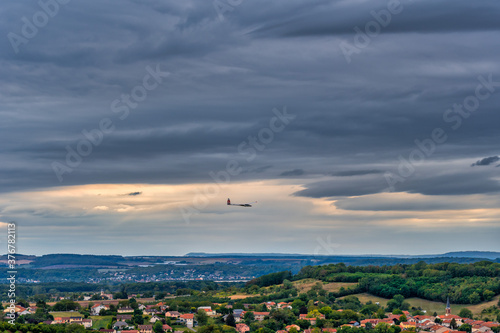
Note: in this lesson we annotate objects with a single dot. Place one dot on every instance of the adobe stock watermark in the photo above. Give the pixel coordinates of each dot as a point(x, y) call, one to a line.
point(248, 149)
point(30, 27)
point(372, 29)
point(325, 246)
point(12, 270)
point(224, 6)
point(94, 137)
point(453, 116)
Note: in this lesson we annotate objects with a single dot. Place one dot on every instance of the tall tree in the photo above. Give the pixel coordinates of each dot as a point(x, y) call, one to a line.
point(201, 317)
point(230, 320)
point(466, 313)
point(453, 323)
point(158, 327)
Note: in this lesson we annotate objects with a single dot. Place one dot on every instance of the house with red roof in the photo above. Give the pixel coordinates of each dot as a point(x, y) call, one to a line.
point(297, 327)
point(306, 316)
point(284, 305)
point(407, 325)
point(270, 305)
point(373, 322)
point(61, 320)
point(105, 330)
point(17, 309)
point(242, 328)
point(328, 330)
point(187, 319)
point(260, 315)
point(208, 310)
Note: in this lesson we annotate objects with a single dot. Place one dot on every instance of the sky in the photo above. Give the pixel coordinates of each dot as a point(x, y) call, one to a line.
point(359, 127)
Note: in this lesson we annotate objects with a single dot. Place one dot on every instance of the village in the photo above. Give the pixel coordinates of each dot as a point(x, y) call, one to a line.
point(285, 317)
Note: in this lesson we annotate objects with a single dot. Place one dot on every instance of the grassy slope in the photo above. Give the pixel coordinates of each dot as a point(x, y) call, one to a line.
point(306, 284)
point(66, 314)
point(479, 307)
point(430, 306)
point(303, 286)
point(98, 321)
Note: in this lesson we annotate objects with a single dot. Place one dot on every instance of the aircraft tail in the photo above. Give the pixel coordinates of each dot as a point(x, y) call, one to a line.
point(228, 201)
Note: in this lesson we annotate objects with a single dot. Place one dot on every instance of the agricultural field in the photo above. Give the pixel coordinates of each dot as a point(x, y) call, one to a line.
point(66, 314)
point(182, 328)
point(302, 286)
point(481, 306)
point(364, 297)
point(431, 306)
point(241, 296)
point(100, 321)
point(306, 284)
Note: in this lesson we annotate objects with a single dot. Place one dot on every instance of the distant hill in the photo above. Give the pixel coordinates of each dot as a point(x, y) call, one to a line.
point(473, 254)
point(204, 254)
point(457, 254)
point(87, 260)
point(221, 266)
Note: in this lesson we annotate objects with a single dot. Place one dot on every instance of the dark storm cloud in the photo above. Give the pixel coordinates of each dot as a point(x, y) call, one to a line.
point(428, 182)
point(227, 76)
point(260, 169)
point(350, 173)
point(337, 17)
point(353, 121)
point(487, 161)
point(294, 172)
point(452, 184)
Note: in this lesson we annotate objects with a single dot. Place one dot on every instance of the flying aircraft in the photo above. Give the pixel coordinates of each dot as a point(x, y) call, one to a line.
point(242, 205)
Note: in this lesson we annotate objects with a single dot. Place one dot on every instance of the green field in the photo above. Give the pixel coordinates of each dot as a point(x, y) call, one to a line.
point(364, 297)
point(66, 314)
point(430, 306)
point(181, 328)
point(100, 321)
point(305, 285)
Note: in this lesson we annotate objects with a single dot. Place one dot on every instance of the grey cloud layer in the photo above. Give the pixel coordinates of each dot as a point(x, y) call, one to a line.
point(321, 18)
point(353, 121)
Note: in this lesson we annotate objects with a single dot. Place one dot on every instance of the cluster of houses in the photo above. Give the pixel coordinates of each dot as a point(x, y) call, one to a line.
point(21, 311)
point(428, 323)
point(413, 323)
point(447, 322)
point(155, 312)
point(87, 323)
point(440, 324)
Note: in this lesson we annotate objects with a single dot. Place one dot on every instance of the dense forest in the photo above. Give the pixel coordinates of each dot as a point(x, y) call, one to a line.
point(463, 283)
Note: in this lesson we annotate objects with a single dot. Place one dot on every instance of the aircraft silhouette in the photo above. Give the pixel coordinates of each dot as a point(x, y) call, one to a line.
point(242, 205)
